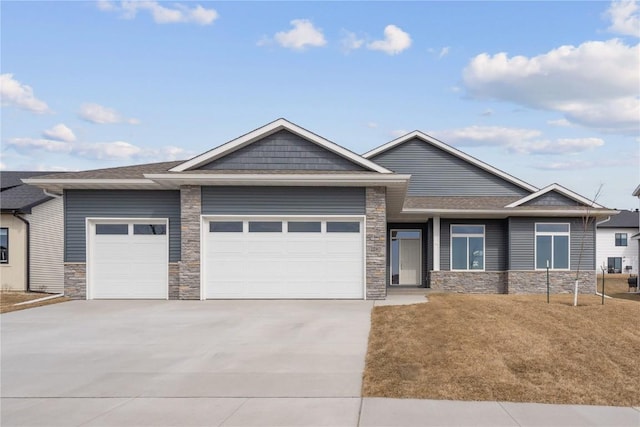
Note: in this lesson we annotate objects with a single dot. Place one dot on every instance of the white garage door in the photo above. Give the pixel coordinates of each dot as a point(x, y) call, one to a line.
point(283, 257)
point(128, 259)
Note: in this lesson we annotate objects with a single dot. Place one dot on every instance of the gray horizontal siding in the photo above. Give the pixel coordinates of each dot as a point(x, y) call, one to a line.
point(283, 150)
point(435, 172)
point(82, 204)
point(495, 242)
point(522, 243)
point(228, 200)
point(552, 198)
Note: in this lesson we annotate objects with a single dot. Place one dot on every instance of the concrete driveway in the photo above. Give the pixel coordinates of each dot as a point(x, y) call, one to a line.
point(184, 363)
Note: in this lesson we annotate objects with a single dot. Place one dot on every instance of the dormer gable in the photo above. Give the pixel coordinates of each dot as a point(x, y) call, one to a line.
point(554, 195)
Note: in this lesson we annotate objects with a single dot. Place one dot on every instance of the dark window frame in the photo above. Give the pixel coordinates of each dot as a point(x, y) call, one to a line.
point(98, 226)
point(622, 239)
point(343, 226)
point(257, 227)
point(161, 232)
point(6, 248)
point(226, 226)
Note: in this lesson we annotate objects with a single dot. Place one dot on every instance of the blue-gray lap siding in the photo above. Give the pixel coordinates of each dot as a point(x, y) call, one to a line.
point(283, 150)
point(227, 200)
point(82, 204)
point(552, 198)
point(434, 172)
point(522, 243)
point(495, 241)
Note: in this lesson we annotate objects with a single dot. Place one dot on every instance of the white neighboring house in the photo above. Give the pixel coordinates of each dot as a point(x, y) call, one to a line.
point(616, 247)
point(31, 236)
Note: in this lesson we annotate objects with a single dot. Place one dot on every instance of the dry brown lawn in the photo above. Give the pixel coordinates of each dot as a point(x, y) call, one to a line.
point(8, 299)
point(507, 348)
point(616, 286)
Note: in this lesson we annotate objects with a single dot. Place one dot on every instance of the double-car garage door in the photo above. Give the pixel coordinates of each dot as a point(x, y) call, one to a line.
point(241, 257)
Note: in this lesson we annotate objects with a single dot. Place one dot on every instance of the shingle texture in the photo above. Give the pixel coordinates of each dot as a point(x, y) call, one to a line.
point(17, 196)
point(625, 219)
point(125, 172)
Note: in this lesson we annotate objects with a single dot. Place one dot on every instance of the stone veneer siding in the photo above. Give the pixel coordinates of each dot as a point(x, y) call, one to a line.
point(535, 282)
point(174, 280)
point(75, 280)
point(476, 282)
point(376, 245)
point(189, 266)
point(512, 282)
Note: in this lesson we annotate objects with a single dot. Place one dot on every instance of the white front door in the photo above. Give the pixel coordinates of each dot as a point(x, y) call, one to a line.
point(283, 257)
point(409, 261)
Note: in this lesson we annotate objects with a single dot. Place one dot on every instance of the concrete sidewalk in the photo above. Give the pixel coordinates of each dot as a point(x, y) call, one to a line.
point(334, 412)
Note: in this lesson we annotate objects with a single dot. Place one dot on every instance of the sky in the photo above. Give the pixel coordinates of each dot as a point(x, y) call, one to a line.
point(546, 91)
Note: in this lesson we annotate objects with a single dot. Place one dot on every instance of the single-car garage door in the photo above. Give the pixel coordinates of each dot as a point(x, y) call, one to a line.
point(128, 259)
point(302, 257)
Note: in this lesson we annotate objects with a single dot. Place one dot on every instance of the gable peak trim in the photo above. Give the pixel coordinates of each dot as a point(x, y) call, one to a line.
point(453, 151)
point(558, 189)
point(269, 129)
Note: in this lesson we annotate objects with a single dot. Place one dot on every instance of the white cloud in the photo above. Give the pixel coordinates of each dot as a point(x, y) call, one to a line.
point(41, 144)
point(395, 41)
point(350, 42)
point(14, 93)
point(60, 132)
point(581, 164)
point(444, 52)
point(594, 84)
point(625, 17)
point(302, 35)
point(516, 140)
point(161, 14)
point(99, 114)
point(560, 123)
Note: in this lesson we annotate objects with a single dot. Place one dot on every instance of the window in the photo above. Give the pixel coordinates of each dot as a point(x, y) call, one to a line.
point(225, 227)
point(614, 265)
point(304, 226)
point(4, 245)
point(552, 246)
point(149, 229)
point(621, 239)
point(112, 228)
point(467, 247)
point(265, 226)
point(343, 227)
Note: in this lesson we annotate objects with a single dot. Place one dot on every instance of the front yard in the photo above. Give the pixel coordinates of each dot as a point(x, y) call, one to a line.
point(8, 300)
point(507, 348)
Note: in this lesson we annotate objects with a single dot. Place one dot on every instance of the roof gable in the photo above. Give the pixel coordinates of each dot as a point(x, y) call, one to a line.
point(554, 195)
point(282, 150)
point(211, 156)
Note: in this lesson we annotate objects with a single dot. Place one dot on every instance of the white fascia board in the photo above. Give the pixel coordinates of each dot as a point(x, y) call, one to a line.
point(58, 185)
point(508, 212)
point(449, 149)
point(267, 130)
point(280, 179)
point(560, 189)
point(37, 181)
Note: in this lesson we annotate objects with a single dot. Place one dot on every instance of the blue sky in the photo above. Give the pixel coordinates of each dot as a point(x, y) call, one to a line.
point(546, 91)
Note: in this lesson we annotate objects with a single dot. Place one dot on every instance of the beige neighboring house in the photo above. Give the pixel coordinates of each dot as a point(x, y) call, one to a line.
point(31, 236)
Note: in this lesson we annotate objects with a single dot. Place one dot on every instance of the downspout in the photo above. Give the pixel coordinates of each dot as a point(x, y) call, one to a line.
point(28, 262)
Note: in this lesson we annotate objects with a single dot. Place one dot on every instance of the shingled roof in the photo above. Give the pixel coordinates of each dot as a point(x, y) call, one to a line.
point(625, 219)
point(15, 196)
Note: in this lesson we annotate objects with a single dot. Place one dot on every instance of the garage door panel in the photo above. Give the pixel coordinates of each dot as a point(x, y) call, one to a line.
point(283, 264)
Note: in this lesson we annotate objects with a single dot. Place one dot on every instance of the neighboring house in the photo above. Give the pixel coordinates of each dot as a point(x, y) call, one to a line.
point(636, 237)
point(31, 236)
point(616, 249)
point(281, 212)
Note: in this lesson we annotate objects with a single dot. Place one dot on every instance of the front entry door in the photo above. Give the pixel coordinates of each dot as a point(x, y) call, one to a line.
point(406, 257)
point(409, 261)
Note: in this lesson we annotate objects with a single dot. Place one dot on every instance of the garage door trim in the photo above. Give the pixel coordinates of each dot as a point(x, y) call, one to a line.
point(204, 229)
point(90, 223)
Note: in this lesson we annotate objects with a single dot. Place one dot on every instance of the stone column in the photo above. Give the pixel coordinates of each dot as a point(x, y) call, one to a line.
point(376, 245)
point(189, 265)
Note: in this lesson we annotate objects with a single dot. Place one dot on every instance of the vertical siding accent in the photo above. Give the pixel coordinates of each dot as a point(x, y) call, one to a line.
point(522, 242)
point(495, 242)
point(283, 200)
point(552, 198)
point(435, 172)
point(47, 246)
point(80, 204)
point(283, 150)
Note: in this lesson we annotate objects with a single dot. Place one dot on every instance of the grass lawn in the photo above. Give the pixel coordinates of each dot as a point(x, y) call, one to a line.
point(507, 348)
point(616, 286)
point(8, 299)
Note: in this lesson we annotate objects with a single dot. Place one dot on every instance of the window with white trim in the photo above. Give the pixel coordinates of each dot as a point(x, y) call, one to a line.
point(621, 239)
point(467, 247)
point(552, 246)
